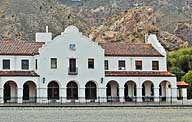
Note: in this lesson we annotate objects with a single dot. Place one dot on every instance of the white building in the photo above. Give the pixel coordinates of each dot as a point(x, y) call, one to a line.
point(71, 67)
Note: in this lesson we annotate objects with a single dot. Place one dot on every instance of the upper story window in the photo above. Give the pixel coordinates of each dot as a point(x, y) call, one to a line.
point(53, 63)
point(106, 65)
point(6, 64)
point(25, 64)
point(90, 63)
point(73, 70)
point(155, 65)
point(121, 64)
point(138, 65)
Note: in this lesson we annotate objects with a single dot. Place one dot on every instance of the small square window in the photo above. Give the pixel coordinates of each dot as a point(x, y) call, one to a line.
point(6, 64)
point(90, 63)
point(25, 64)
point(106, 65)
point(53, 63)
point(138, 65)
point(121, 64)
point(155, 65)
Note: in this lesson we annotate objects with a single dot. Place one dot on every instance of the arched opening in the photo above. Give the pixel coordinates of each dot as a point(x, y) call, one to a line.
point(29, 91)
point(148, 91)
point(164, 90)
point(10, 92)
point(90, 90)
point(112, 91)
point(53, 91)
point(130, 91)
point(72, 91)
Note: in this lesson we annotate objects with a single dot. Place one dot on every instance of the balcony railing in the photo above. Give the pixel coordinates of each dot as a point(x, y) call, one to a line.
point(72, 71)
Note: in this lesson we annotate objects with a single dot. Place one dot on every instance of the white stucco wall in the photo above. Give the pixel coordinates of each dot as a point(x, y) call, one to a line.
point(130, 63)
point(59, 48)
point(15, 62)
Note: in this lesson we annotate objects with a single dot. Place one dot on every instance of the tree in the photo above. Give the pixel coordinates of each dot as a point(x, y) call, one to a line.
point(180, 61)
point(188, 78)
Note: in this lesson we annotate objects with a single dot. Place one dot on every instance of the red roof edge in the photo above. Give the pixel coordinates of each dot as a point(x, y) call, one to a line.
point(182, 83)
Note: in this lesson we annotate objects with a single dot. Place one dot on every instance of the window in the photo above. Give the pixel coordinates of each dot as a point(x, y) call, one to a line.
point(106, 65)
point(36, 66)
point(24, 64)
point(138, 65)
point(53, 63)
point(155, 65)
point(6, 64)
point(73, 70)
point(91, 63)
point(121, 65)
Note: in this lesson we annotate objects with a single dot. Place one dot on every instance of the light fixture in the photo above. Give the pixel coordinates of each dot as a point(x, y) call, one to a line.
point(101, 79)
point(43, 79)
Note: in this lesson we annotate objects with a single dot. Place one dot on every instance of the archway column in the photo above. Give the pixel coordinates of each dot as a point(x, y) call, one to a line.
point(1, 95)
point(82, 94)
point(139, 94)
point(121, 94)
point(174, 94)
point(42, 95)
point(102, 94)
point(156, 94)
point(19, 95)
point(63, 95)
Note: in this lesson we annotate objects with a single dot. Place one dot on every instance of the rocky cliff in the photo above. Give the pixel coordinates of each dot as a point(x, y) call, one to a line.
point(20, 19)
point(132, 26)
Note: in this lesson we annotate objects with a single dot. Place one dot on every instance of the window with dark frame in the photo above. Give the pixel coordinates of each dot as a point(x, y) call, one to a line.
point(25, 64)
point(90, 63)
point(6, 64)
point(121, 64)
point(155, 65)
point(106, 65)
point(53, 63)
point(138, 65)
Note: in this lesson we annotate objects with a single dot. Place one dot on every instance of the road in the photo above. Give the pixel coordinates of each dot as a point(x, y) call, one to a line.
point(97, 114)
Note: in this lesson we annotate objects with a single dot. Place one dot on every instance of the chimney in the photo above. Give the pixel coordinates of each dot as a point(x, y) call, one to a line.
point(146, 38)
point(47, 29)
point(43, 36)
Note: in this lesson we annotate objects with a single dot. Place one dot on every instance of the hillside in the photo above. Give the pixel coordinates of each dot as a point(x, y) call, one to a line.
point(132, 26)
point(20, 19)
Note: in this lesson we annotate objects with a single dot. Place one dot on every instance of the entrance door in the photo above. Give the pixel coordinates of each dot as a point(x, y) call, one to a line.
point(90, 91)
point(53, 91)
point(25, 92)
point(72, 91)
point(7, 92)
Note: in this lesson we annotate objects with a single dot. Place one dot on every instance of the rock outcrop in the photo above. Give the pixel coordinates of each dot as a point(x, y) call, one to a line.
point(132, 26)
point(184, 30)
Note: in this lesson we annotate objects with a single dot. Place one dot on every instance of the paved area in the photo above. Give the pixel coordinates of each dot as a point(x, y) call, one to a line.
point(95, 114)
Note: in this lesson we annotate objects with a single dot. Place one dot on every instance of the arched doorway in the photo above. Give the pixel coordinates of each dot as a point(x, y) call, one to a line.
point(130, 91)
point(90, 90)
point(112, 91)
point(29, 91)
point(10, 92)
point(148, 91)
point(53, 91)
point(72, 90)
point(164, 90)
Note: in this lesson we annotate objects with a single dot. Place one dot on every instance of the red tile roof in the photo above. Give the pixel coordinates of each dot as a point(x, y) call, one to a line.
point(19, 47)
point(130, 49)
point(18, 73)
point(138, 73)
point(182, 83)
